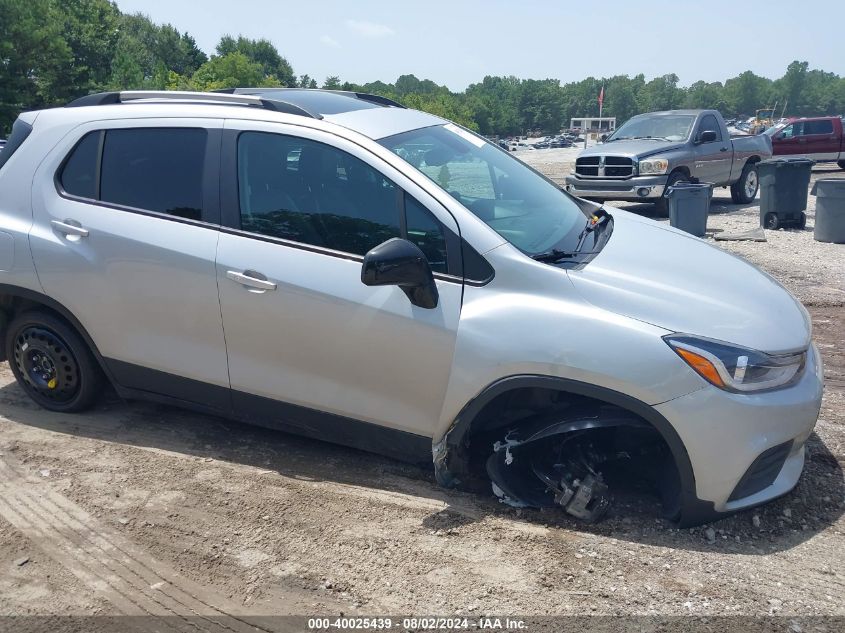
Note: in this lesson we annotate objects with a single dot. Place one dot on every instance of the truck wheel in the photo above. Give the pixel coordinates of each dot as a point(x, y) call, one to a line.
point(661, 205)
point(52, 363)
point(745, 189)
point(841, 164)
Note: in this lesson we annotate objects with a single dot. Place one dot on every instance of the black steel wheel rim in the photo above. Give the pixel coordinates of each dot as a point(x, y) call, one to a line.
point(46, 364)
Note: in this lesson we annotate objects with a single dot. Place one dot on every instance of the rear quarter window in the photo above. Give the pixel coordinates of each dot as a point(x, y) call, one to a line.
point(79, 174)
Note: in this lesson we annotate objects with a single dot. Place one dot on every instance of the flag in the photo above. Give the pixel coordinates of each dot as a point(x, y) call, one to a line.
point(601, 96)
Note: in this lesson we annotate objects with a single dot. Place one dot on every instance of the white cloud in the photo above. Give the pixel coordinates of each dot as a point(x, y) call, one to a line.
point(329, 41)
point(369, 29)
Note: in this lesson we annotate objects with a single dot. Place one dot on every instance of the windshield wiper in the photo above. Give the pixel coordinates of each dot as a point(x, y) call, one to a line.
point(553, 256)
point(652, 138)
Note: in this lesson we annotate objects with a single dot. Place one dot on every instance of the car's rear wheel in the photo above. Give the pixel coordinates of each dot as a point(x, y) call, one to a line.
point(52, 363)
point(745, 189)
point(841, 164)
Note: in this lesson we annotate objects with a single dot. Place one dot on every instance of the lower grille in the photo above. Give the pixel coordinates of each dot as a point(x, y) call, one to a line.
point(763, 472)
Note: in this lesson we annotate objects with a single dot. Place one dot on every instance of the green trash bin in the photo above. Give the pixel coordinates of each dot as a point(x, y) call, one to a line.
point(830, 210)
point(689, 204)
point(783, 192)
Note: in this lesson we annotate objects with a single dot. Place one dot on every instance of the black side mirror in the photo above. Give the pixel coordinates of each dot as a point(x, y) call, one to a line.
point(707, 136)
point(398, 262)
point(603, 138)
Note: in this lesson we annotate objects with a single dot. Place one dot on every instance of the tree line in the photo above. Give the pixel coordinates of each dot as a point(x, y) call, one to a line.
point(52, 51)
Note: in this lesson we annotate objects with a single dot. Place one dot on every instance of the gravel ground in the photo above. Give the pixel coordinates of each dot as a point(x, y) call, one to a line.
point(143, 509)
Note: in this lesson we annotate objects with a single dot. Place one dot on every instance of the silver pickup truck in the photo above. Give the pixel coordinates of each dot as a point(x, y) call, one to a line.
point(650, 152)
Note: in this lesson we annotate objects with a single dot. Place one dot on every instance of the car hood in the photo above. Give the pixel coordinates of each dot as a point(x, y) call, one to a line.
point(653, 273)
point(632, 149)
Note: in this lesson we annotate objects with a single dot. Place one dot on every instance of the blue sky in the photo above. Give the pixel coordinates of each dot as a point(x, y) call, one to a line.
point(456, 43)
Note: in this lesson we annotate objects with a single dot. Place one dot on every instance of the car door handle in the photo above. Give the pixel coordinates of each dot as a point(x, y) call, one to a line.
point(69, 227)
point(251, 279)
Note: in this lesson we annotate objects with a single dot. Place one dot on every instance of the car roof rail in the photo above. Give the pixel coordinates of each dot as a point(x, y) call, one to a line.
point(213, 98)
point(363, 96)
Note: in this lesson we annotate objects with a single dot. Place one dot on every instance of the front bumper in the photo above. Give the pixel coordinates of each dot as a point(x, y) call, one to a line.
point(636, 188)
point(724, 433)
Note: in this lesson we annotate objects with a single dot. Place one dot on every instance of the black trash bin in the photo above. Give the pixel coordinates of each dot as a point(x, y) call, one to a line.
point(783, 192)
point(830, 210)
point(689, 203)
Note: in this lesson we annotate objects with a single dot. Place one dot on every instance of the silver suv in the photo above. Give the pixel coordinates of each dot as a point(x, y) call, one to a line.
point(336, 265)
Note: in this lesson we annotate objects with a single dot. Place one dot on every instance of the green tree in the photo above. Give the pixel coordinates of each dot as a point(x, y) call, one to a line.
point(620, 98)
point(746, 93)
point(230, 71)
point(262, 52)
point(332, 83)
point(661, 93)
point(90, 30)
point(33, 55)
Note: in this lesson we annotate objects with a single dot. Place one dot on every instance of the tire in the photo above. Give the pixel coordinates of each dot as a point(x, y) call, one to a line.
point(841, 164)
point(771, 222)
point(745, 189)
point(661, 205)
point(52, 363)
point(802, 222)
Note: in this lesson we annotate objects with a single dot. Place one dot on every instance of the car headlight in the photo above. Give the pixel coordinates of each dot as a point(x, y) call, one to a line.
point(653, 166)
point(735, 368)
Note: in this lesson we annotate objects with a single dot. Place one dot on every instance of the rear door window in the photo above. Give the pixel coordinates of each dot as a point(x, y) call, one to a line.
point(155, 169)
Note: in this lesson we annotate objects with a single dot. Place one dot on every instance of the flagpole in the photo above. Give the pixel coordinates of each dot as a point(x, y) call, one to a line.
point(601, 106)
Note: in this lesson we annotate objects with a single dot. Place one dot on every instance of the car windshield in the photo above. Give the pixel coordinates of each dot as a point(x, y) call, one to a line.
point(522, 206)
point(671, 127)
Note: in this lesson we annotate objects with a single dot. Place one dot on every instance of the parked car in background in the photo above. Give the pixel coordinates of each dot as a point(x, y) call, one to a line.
point(818, 138)
point(653, 151)
point(337, 265)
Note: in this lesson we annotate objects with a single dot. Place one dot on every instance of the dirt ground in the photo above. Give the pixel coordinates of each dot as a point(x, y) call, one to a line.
point(140, 509)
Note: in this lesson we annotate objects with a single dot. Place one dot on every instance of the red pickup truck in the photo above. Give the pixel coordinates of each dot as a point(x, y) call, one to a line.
point(818, 138)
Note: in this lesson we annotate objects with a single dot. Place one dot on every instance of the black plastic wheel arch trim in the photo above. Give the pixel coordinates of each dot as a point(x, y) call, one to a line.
point(62, 311)
point(451, 457)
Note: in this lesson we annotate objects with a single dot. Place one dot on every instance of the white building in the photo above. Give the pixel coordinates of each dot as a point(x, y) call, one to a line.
point(594, 124)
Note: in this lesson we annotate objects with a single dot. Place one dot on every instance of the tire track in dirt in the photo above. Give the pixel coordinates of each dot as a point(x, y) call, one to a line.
point(133, 582)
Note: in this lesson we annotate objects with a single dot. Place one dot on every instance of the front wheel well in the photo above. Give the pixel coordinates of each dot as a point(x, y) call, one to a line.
point(524, 401)
point(533, 406)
